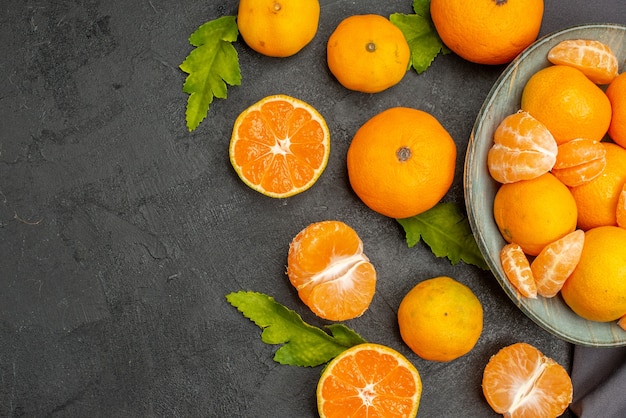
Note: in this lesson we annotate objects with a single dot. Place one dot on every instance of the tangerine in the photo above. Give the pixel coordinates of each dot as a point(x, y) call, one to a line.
point(519, 381)
point(369, 380)
point(621, 208)
point(568, 103)
point(487, 31)
point(333, 276)
point(596, 200)
point(523, 149)
point(596, 289)
point(593, 58)
point(440, 319)
point(367, 53)
point(517, 270)
point(616, 92)
point(533, 213)
point(579, 161)
point(278, 28)
point(280, 146)
point(401, 162)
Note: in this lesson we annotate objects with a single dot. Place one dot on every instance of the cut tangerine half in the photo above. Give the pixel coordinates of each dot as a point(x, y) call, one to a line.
point(621, 208)
point(593, 58)
point(556, 262)
point(523, 149)
point(333, 276)
point(280, 146)
point(579, 161)
point(369, 380)
point(521, 382)
point(516, 267)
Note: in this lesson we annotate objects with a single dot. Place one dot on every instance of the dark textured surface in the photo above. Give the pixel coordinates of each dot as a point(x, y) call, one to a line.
point(121, 233)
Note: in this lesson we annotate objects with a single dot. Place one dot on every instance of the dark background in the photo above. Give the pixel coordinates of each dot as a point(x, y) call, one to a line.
point(121, 232)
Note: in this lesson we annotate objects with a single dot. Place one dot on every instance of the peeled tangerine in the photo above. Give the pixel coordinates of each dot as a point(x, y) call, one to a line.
point(523, 149)
point(519, 381)
point(593, 58)
point(333, 276)
point(579, 161)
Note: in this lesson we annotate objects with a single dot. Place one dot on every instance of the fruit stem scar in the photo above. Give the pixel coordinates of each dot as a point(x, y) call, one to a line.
point(276, 7)
point(500, 2)
point(370, 46)
point(403, 154)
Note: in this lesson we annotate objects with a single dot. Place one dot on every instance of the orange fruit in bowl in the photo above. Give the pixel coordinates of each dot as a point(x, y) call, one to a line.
point(533, 213)
point(621, 208)
point(369, 380)
point(523, 149)
point(279, 146)
point(579, 161)
point(440, 319)
point(367, 53)
point(401, 162)
point(333, 276)
point(568, 103)
point(596, 200)
point(487, 31)
point(519, 381)
point(596, 290)
point(593, 58)
point(278, 28)
point(616, 92)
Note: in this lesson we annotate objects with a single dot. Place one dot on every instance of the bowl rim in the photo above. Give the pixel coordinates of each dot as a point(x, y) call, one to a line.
point(471, 162)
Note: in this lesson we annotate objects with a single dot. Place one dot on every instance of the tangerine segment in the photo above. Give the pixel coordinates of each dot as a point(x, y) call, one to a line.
point(333, 276)
point(521, 382)
point(556, 262)
point(517, 270)
point(579, 161)
point(622, 322)
point(369, 380)
point(280, 146)
point(523, 149)
point(593, 58)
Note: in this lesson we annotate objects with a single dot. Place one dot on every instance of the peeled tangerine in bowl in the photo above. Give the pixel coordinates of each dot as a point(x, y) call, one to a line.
point(333, 276)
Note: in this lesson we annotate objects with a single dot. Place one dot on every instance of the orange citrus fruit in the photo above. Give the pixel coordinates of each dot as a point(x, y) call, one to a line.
point(367, 53)
point(568, 103)
point(622, 322)
point(487, 31)
point(333, 276)
point(579, 161)
point(597, 199)
point(440, 319)
point(401, 162)
point(534, 213)
point(519, 381)
point(593, 58)
point(556, 262)
point(596, 290)
point(369, 380)
point(616, 92)
point(517, 270)
point(621, 208)
point(278, 28)
point(523, 149)
point(280, 146)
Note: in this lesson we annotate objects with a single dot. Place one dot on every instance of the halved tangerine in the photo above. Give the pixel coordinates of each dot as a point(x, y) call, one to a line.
point(523, 149)
point(521, 382)
point(369, 380)
point(579, 161)
point(280, 146)
point(516, 267)
point(593, 58)
point(333, 276)
point(556, 262)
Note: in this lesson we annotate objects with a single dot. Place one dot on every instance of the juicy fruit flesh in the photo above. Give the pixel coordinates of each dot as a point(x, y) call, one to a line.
point(593, 58)
point(369, 380)
point(333, 276)
point(519, 381)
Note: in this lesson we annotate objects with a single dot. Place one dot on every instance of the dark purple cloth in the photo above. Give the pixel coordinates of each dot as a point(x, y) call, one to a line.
point(599, 379)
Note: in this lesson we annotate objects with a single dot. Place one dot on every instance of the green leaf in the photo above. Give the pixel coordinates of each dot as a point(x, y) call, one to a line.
point(303, 344)
point(421, 35)
point(447, 232)
point(212, 65)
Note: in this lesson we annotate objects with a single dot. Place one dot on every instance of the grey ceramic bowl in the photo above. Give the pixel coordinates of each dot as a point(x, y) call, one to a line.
point(504, 99)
